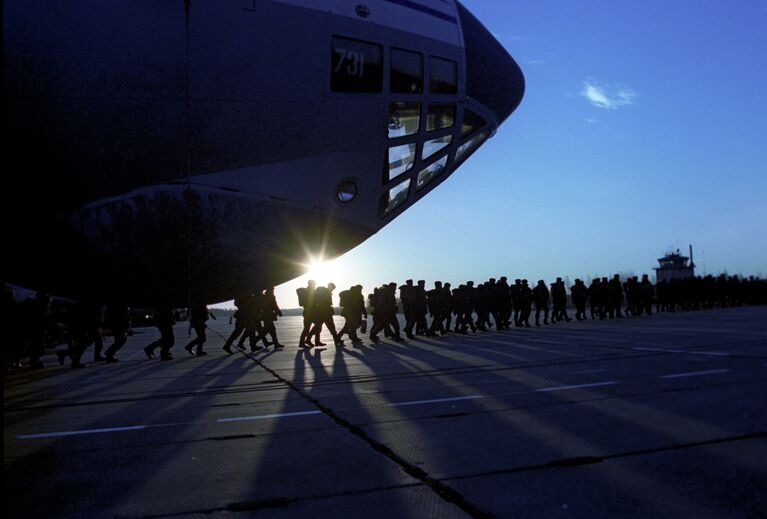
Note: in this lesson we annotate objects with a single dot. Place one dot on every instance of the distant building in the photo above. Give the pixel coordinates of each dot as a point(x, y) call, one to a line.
point(675, 266)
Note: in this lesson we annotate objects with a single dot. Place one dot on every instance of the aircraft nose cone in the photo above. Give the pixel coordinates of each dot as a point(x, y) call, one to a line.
point(492, 76)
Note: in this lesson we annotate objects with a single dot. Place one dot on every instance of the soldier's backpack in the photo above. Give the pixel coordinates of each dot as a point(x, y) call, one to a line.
point(302, 302)
point(345, 299)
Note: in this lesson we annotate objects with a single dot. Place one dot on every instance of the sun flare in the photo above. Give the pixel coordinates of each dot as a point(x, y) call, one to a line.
point(321, 271)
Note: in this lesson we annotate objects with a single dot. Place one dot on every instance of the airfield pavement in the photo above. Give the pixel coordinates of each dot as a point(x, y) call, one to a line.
point(661, 416)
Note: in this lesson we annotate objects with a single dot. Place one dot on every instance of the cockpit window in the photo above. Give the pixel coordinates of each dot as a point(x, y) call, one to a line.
point(426, 174)
point(406, 72)
point(440, 116)
point(404, 119)
point(356, 66)
point(443, 76)
point(394, 197)
point(471, 123)
point(401, 159)
point(434, 145)
point(465, 149)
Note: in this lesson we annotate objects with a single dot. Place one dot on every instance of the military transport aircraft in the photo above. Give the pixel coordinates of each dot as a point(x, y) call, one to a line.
point(173, 152)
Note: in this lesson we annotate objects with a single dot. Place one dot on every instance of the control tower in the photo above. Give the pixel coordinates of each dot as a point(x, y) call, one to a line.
point(675, 266)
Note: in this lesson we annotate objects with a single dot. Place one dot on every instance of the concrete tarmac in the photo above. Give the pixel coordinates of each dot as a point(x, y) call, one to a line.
point(659, 416)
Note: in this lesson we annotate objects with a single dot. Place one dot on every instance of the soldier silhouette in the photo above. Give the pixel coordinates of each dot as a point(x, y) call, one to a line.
point(164, 321)
point(306, 301)
point(270, 311)
point(119, 320)
point(323, 314)
point(352, 309)
point(197, 321)
point(541, 299)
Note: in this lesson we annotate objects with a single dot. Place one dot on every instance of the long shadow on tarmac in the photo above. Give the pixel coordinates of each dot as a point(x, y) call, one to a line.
point(555, 444)
point(70, 493)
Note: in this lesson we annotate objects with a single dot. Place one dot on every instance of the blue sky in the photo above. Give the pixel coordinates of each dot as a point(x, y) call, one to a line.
point(643, 127)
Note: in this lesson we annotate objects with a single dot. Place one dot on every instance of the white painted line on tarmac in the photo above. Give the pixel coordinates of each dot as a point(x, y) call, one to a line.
point(657, 349)
point(434, 400)
point(695, 373)
point(77, 433)
point(155, 426)
point(712, 353)
point(578, 386)
point(316, 412)
point(267, 416)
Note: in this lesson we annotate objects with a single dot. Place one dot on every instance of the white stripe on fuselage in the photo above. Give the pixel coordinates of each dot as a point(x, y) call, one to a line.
point(394, 15)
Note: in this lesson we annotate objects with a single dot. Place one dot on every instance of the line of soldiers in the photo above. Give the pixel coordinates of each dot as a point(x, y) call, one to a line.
point(317, 303)
point(254, 321)
point(30, 326)
point(500, 304)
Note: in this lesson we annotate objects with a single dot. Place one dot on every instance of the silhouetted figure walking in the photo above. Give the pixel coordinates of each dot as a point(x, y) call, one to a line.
point(164, 321)
point(353, 310)
point(559, 301)
point(595, 298)
point(119, 320)
point(94, 323)
point(408, 297)
point(503, 295)
point(436, 306)
point(579, 294)
point(239, 324)
point(541, 299)
point(447, 306)
point(482, 307)
point(86, 320)
point(515, 300)
point(420, 308)
point(306, 301)
point(251, 315)
point(614, 297)
point(526, 300)
point(198, 322)
point(471, 302)
point(269, 313)
point(323, 313)
point(647, 294)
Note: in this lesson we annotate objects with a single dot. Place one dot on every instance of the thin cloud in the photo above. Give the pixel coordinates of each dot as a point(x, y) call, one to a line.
point(531, 61)
point(608, 98)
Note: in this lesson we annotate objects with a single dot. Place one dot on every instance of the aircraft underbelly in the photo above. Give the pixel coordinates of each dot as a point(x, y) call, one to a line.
point(194, 244)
